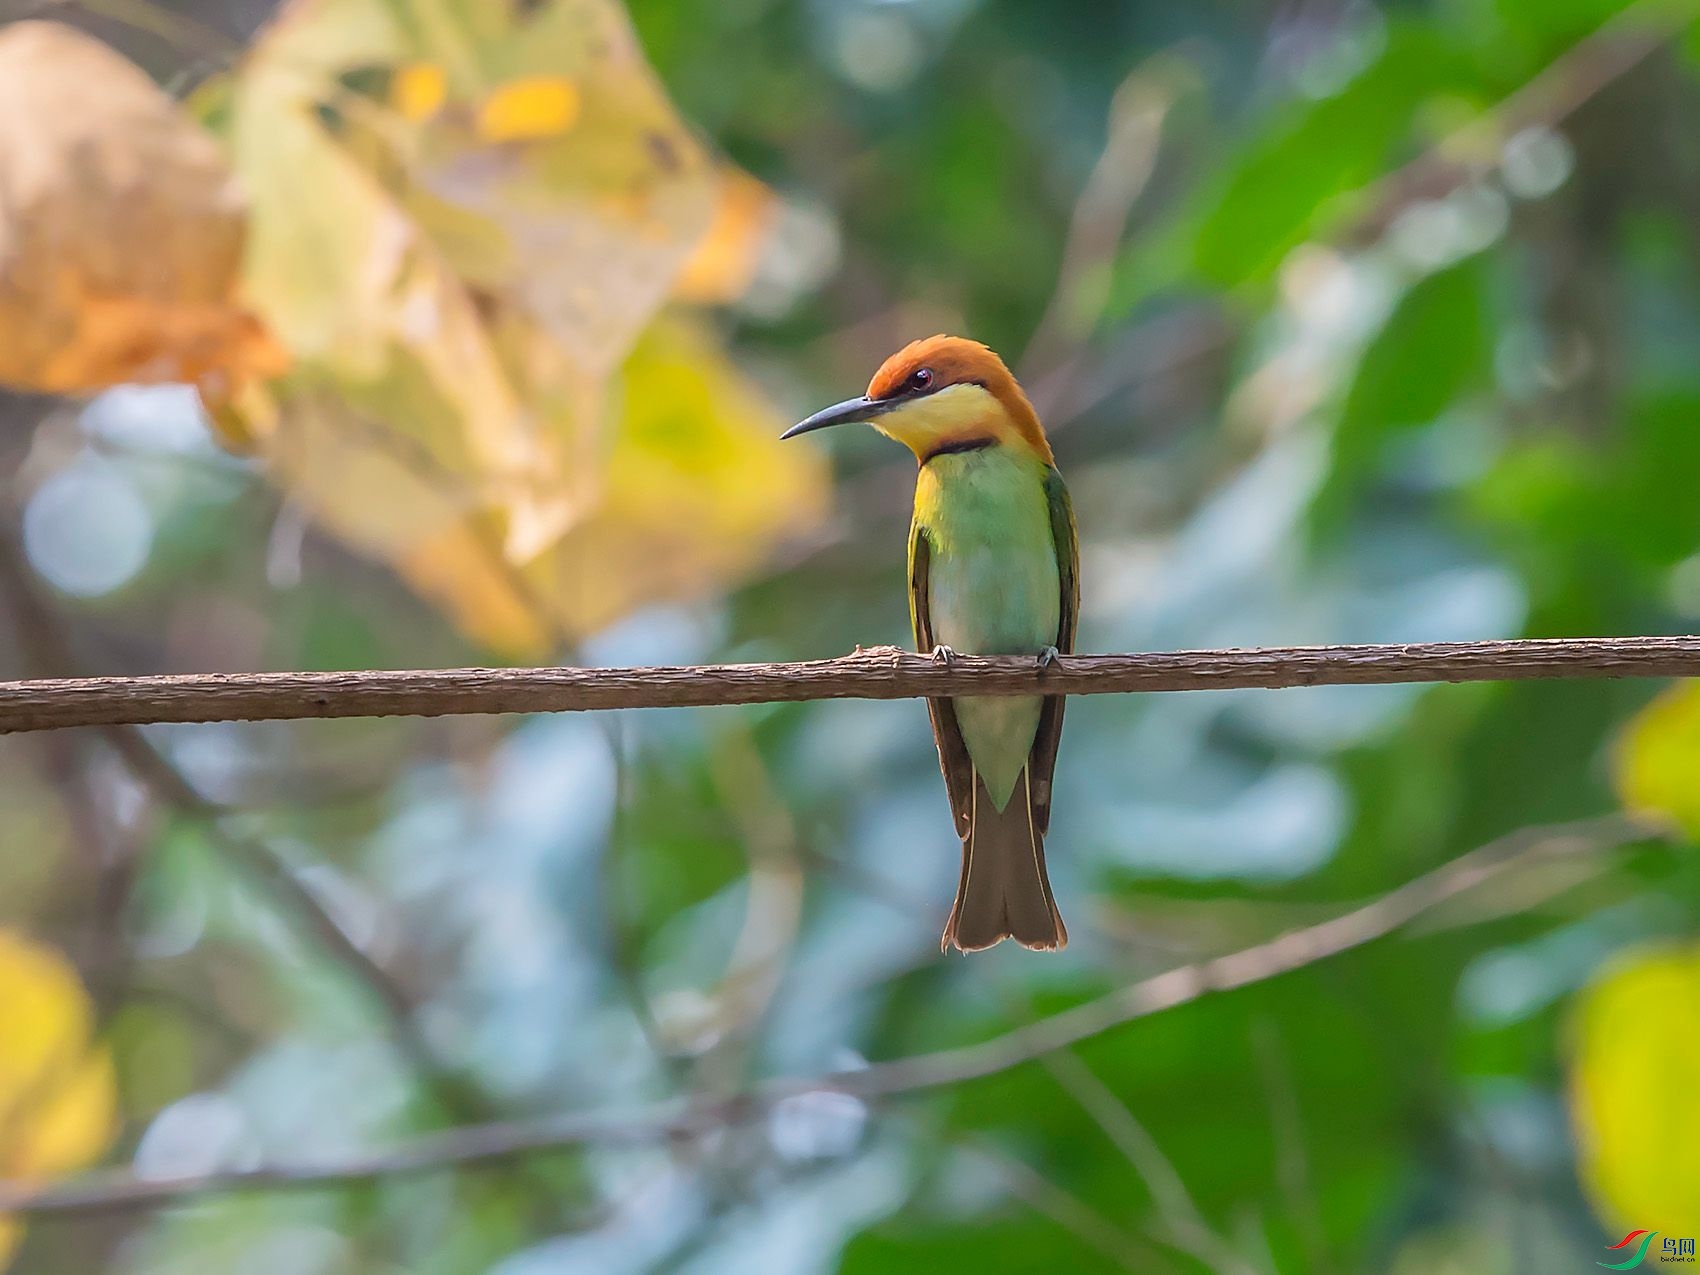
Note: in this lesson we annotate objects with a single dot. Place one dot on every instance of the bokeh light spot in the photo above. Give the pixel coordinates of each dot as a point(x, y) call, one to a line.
point(86, 528)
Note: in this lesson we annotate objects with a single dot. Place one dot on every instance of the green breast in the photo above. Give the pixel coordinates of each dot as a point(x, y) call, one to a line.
point(993, 589)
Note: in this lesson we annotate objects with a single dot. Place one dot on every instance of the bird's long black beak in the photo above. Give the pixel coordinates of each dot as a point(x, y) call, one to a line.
point(848, 412)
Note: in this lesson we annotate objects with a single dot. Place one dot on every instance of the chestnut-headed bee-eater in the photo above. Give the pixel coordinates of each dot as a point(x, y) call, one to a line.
point(993, 570)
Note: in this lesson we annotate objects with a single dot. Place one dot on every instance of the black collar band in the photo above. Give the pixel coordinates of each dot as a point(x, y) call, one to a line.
point(960, 445)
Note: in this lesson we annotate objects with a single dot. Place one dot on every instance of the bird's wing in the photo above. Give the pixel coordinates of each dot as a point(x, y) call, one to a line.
point(1043, 759)
point(953, 753)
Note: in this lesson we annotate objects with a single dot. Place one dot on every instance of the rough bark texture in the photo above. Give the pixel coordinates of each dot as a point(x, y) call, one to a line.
point(881, 673)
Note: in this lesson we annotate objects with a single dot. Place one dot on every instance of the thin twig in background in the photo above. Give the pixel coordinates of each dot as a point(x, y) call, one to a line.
point(742, 996)
point(111, 845)
point(504, 1141)
point(48, 645)
point(1292, 1163)
point(1133, 134)
point(1563, 87)
point(773, 883)
point(1182, 1219)
point(457, 1097)
point(1160, 349)
point(625, 955)
point(1065, 1208)
point(255, 859)
point(877, 673)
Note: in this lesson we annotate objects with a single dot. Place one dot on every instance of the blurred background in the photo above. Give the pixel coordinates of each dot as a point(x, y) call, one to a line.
point(411, 333)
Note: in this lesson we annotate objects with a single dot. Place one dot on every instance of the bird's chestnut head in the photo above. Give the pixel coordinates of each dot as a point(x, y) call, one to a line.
point(940, 393)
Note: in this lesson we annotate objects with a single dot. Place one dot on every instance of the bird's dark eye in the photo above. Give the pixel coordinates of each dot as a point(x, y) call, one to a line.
point(920, 379)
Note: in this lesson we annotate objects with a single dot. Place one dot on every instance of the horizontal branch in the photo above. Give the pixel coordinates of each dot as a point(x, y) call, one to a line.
point(683, 1117)
point(879, 673)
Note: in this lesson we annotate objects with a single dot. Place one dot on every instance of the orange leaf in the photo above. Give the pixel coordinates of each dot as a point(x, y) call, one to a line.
point(121, 228)
point(723, 263)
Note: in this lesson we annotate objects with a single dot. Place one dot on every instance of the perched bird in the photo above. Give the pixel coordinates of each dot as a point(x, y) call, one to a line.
point(993, 570)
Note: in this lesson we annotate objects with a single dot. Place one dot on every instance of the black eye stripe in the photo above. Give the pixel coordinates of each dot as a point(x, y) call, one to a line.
point(910, 390)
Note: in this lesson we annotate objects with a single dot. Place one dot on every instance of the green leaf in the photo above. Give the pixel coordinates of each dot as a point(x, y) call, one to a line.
point(1557, 22)
point(1288, 184)
point(1011, 1240)
point(1433, 349)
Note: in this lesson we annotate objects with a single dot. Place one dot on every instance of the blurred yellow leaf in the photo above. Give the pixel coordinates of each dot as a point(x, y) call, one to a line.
point(584, 230)
point(1634, 1099)
point(1656, 767)
point(57, 1096)
point(466, 404)
point(537, 106)
point(120, 228)
point(698, 490)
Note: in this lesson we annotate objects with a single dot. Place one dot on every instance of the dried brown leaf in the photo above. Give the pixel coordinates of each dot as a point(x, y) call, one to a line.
point(121, 228)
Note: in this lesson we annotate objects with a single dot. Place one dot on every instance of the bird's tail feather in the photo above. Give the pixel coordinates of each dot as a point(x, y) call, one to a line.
point(1004, 891)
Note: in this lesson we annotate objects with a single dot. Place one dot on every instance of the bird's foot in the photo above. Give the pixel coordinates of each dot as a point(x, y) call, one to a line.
point(944, 657)
point(1047, 657)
